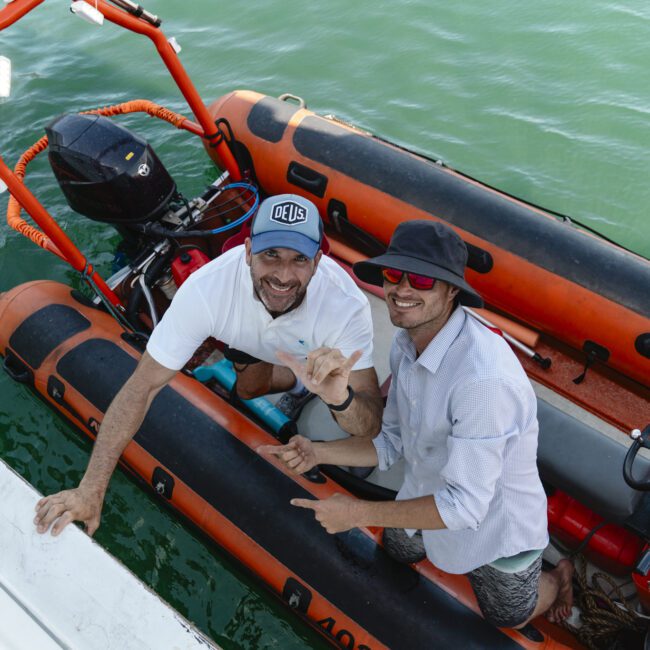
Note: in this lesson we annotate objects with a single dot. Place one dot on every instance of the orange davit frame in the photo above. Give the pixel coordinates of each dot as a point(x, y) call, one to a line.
point(54, 239)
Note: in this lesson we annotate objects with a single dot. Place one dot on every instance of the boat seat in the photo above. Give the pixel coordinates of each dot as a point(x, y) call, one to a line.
point(586, 464)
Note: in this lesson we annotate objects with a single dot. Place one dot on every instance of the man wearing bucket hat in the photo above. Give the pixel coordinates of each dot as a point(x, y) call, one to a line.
point(274, 299)
point(462, 414)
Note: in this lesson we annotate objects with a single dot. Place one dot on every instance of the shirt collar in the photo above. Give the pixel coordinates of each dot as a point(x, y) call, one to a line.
point(435, 352)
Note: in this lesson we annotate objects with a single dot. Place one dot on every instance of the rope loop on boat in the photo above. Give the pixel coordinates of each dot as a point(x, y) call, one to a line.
point(604, 615)
point(14, 218)
point(288, 97)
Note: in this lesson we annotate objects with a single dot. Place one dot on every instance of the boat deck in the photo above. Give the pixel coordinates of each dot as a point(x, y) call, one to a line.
point(67, 592)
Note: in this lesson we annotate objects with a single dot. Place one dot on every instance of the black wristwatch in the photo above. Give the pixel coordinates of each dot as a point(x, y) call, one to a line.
point(344, 405)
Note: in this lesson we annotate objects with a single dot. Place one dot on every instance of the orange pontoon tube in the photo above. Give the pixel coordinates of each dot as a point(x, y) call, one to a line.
point(551, 276)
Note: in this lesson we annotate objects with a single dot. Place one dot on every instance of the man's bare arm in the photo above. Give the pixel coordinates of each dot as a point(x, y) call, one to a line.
point(363, 416)
point(123, 418)
point(301, 454)
point(341, 512)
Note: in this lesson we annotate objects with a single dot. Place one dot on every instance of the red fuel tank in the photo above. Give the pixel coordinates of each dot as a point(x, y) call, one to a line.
point(186, 263)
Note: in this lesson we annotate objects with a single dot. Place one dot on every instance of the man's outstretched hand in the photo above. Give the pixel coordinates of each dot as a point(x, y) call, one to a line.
point(325, 373)
point(298, 454)
point(335, 514)
point(64, 507)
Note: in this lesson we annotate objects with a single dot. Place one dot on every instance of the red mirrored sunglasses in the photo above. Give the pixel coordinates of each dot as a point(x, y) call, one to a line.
point(419, 282)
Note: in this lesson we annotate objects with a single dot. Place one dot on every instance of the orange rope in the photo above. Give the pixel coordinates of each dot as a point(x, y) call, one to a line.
point(140, 106)
point(13, 208)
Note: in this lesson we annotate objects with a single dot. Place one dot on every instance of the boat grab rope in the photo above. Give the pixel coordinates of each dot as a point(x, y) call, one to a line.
point(603, 618)
point(14, 209)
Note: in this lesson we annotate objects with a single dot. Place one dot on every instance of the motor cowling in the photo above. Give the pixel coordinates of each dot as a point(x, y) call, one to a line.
point(106, 172)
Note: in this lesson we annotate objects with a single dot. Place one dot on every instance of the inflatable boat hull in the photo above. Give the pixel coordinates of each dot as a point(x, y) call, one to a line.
point(198, 452)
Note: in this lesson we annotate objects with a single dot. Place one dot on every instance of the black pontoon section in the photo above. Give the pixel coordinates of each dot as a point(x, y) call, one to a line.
point(43, 331)
point(269, 118)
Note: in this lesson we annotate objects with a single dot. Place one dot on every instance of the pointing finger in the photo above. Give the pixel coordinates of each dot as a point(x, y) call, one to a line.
point(310, 504)
point(272, 450)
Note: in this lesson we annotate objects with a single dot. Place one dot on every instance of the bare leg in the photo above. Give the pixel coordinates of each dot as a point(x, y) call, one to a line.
point(555, 594)
point(262, 378)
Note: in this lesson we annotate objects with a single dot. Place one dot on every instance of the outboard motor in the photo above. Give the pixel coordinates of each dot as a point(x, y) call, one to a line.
point(106, 172)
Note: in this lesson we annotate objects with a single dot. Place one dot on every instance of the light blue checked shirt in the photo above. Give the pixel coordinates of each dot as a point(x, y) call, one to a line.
point(464, 417)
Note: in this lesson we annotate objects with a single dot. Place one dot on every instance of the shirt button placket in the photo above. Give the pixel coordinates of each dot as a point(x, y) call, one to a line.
point(411, 386)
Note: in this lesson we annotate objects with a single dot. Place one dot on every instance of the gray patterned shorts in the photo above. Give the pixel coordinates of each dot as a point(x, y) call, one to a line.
point(505, 599)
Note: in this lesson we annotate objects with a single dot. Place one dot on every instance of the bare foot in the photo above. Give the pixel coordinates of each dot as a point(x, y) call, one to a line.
point(561, 607)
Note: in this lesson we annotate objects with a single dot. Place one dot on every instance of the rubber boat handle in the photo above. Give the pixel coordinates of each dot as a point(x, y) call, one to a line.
point(307, 178)
point(642, 439)
point(16, 369)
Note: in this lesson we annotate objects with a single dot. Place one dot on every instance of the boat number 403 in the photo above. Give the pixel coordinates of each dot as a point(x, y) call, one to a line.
point(344, 638)
point(299, 597)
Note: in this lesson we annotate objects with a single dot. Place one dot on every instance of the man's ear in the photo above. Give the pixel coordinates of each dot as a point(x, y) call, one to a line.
point(249, 255)
point(317, 259)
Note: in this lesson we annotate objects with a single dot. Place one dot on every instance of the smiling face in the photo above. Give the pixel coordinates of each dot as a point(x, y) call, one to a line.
point(422, 313)
point(280, 277)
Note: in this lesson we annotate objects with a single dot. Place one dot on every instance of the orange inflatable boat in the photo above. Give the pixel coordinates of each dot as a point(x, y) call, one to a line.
point(575, 308)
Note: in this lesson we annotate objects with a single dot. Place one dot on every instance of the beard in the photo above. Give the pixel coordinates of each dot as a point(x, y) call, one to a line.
point(276, 304)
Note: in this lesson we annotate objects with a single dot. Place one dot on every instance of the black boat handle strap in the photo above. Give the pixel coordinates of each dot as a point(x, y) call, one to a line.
point(641, 439)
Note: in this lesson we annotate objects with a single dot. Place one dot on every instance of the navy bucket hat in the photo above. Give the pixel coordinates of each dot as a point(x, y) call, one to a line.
point(427, 248)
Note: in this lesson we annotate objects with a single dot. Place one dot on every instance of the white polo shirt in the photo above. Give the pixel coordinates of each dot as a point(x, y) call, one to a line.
point(218, 300)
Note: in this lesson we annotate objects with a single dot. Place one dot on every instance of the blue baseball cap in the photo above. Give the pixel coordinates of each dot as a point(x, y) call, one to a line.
point(287, 221)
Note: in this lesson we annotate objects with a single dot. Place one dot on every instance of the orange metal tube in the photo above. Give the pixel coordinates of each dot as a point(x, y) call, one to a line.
point(65, 248)
point(180, 76)
point(15, 11)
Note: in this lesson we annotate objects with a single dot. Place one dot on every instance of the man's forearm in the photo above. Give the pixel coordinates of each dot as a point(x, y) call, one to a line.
point(420, 513)
point(363, 416)
point(123, 418)
point(355, 452)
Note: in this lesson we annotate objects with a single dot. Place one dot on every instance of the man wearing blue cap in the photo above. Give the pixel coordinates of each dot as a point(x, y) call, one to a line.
point(276, 300)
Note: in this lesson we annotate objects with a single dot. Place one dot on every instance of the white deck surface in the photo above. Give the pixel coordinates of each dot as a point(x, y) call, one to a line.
point(67, 592)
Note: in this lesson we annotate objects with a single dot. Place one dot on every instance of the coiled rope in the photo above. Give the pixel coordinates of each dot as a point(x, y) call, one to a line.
point(605, 615)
